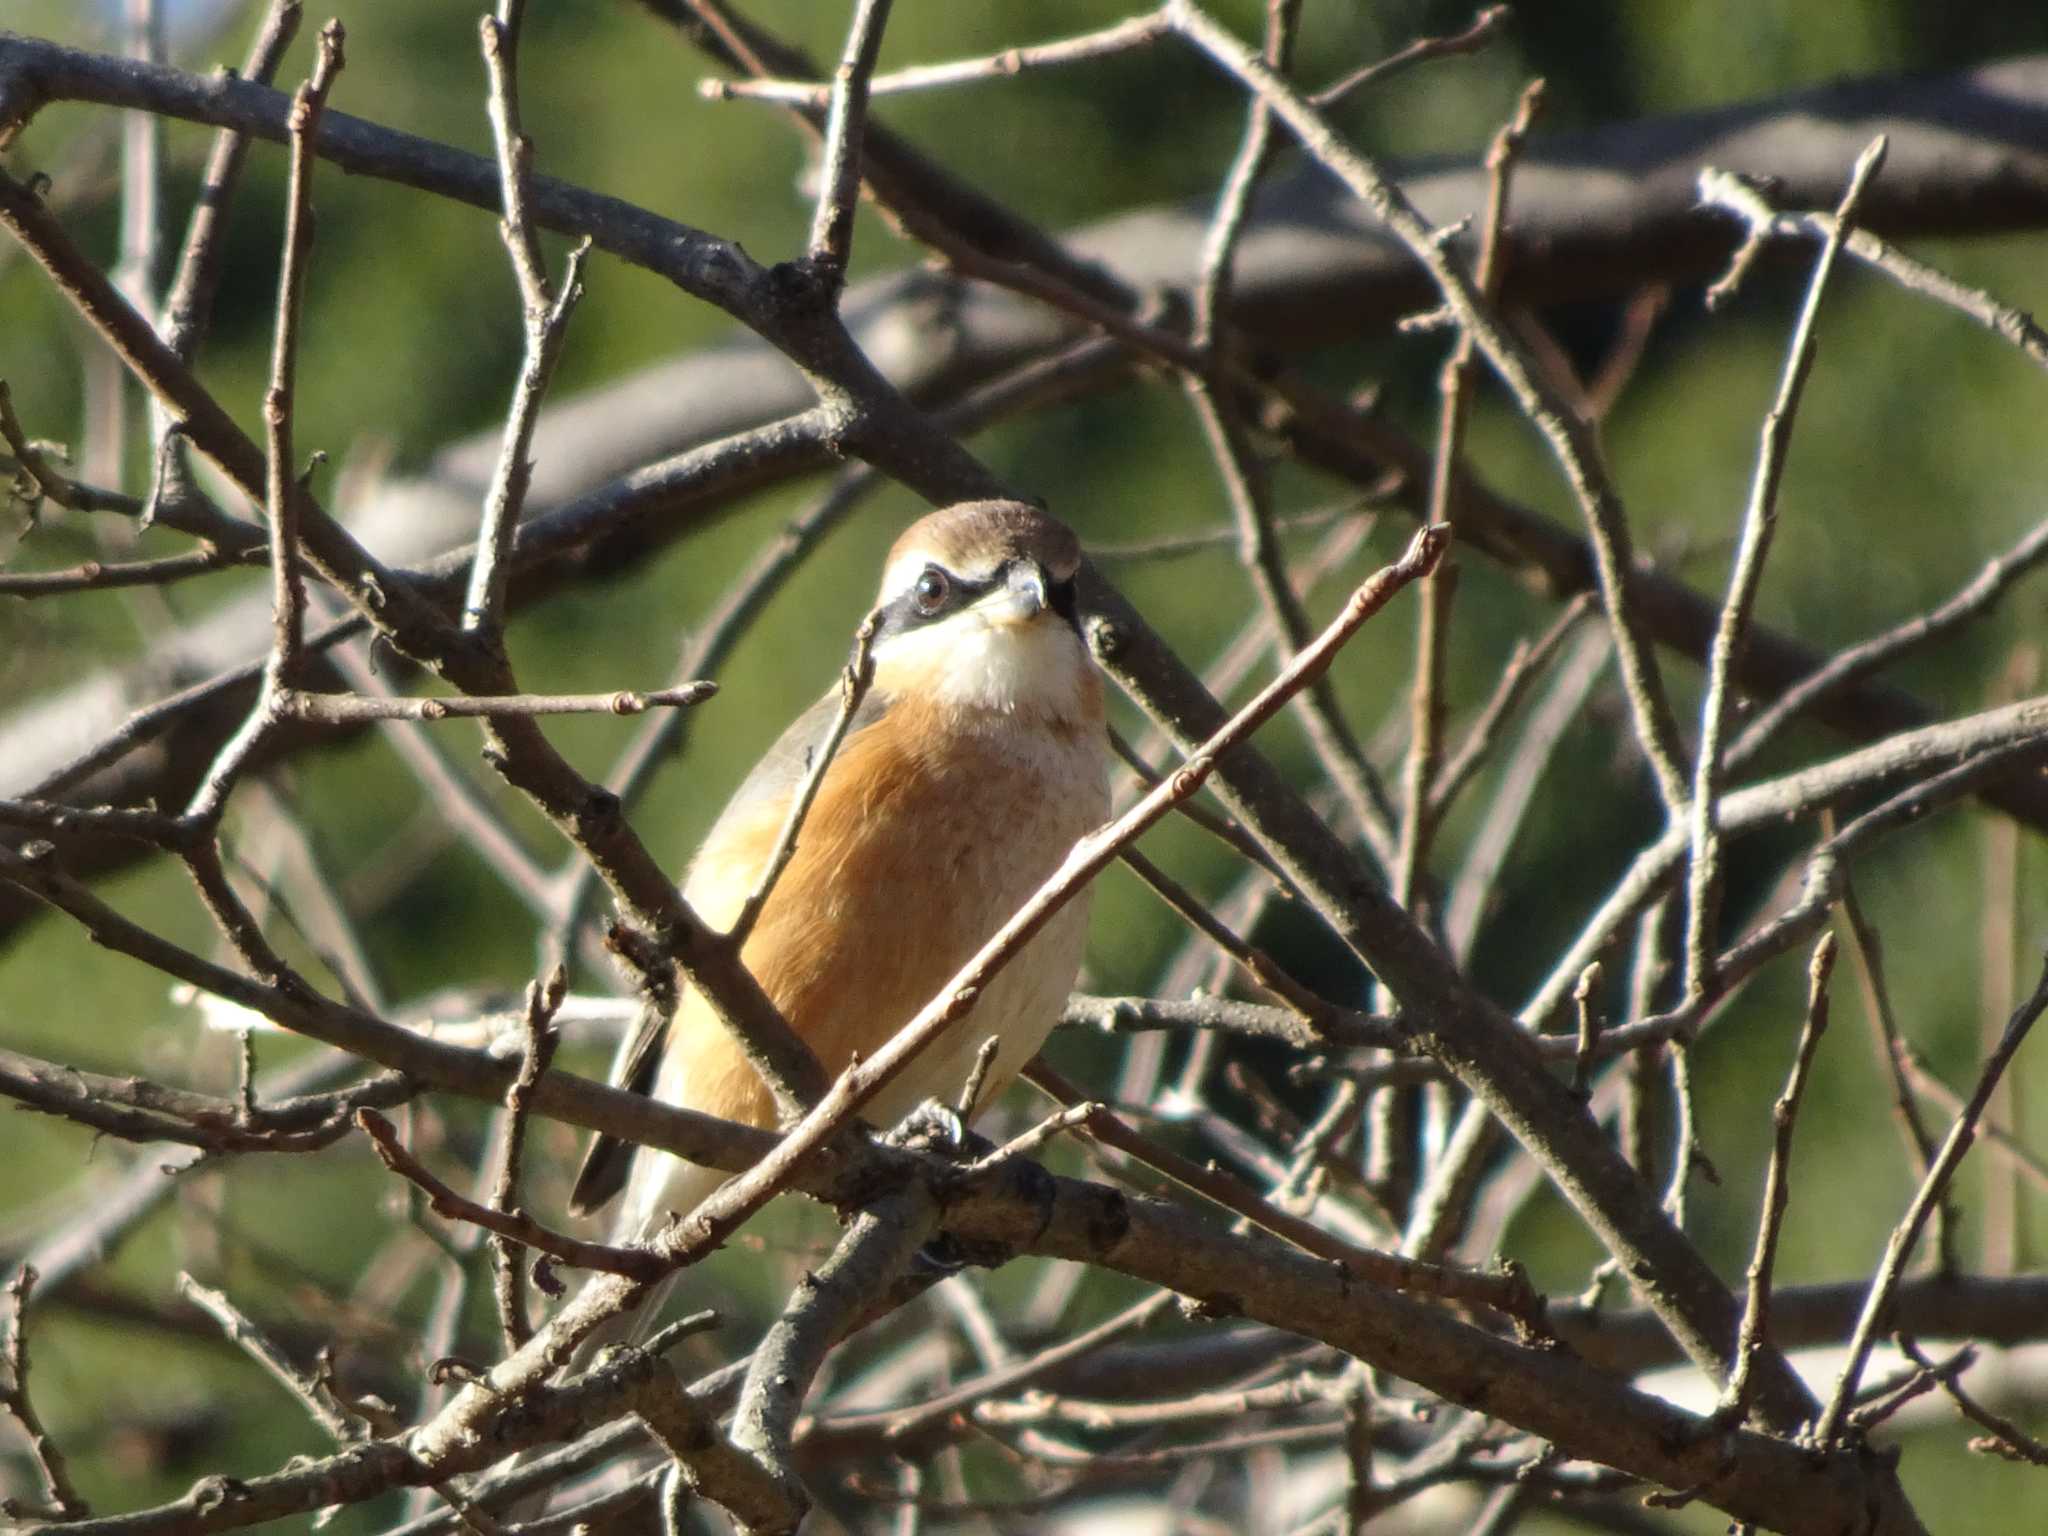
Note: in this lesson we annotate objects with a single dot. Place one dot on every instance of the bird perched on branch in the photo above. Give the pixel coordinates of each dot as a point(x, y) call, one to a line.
point(976, 759)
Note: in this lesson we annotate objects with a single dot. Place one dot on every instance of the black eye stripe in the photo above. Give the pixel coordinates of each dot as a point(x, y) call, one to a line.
point(905, 612)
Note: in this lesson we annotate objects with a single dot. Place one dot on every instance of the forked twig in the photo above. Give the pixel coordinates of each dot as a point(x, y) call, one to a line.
point(1756, 1310)
point(1877, 1304)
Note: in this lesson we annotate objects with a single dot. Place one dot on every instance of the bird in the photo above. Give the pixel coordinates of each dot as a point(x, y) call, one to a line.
point(977, 757)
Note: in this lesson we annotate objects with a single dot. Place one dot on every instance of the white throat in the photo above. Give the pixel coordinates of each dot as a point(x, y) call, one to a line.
point(1037, 668)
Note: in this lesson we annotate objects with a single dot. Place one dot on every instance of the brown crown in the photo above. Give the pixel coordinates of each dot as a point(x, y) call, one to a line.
point(980, 535)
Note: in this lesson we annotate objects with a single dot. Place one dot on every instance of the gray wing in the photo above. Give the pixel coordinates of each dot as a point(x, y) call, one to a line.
point(774, 779)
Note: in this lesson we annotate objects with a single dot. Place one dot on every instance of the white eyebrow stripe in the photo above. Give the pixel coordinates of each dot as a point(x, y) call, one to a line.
point(905, 569)
point(908, 566)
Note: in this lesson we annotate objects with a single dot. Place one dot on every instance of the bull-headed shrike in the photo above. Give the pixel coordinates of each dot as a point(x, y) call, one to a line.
point(978, 756)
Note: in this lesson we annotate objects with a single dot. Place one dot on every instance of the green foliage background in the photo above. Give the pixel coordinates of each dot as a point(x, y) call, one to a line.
point(1917, 457)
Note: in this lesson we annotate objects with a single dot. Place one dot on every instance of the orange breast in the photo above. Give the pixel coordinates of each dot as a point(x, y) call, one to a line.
point(929, 830)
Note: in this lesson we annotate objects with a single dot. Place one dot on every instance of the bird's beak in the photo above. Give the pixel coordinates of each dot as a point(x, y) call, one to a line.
point(1023, 596)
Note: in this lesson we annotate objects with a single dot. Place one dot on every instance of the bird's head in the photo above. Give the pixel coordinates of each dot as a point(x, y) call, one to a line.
point(977, 606)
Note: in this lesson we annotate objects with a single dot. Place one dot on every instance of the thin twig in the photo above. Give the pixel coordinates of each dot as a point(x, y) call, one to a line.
point(1254, 155)
point(1337, 748)
point(1110, 41)
point(318, 1403)
point(109, 575)
point(977, 1077)
point(1508, 1292)
point(1652, 968)
point(1586, 997)
point(1220, 827)
point(1877, 1304)
point(14, 1399)
point(1984, 740)
point(2006, 1438)
point(1255, 1021)
point(543, 1001)
point(1484, 26)
point(1998, 940)
point(1759, 523)
point(1821, 878)
point(32, 459)
point(1924, 1082)
point(907, 1426)
point(187, 313)
point(839, 177)
point(1223, 536)
point(1849, 666)
point(1027, 1142)
point(1756, 1312)
point(854, 682)
point(346, 709)
point(188, 305)
point(1519, 673)
point(1433, 613)
point(1266, 972)
point(1244, 482)
point(1893, 1053)
point(138, 1109)
point(1738, 195)
point(285, 498)
point(545, 311)
point(288, 590)
point(1393, 1115)
point(634, 1263)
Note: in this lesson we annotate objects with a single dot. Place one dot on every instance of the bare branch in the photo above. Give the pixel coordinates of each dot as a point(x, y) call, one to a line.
point(1863, 659)
point(1893, 1052)
point(343, 709)
point(137, 1109)
point(1110, 41)
point(839, 177)
point(1877, 1304)
point(543, 1002)
point(1784, 1114)
point(513, 1225)
point(315, 1399)
point(1806, 792)
point(288, 591)
point(14, 1399)
point(545, 315)
point(1484, 27)
point(107, 576)
point(1740, 195)
point(1507, 1293)
point(1118, 1015)
point(1570, 439)
point(33, 460)
point(873, 1253)
point(2005, 1439)
point(1433, 613)
point(1759, 522)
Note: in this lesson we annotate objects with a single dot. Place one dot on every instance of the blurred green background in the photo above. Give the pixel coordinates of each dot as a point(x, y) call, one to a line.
point(1916, 459)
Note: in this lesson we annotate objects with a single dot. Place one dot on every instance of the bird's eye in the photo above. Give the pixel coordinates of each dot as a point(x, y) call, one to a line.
point(930, 590)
